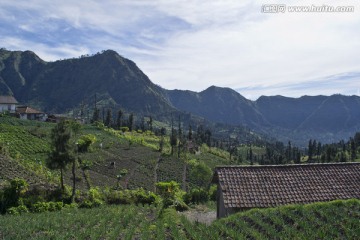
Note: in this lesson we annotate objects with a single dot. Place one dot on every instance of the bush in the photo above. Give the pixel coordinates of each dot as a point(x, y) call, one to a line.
point(124, 129)
point(119, 197)
point(94, 198)
point(172, 195)
point(197, 195)
point(213, 192)
point(200, 174)
point(84, 142)
point(11, 195)
point(138, 196)
point(71, 206)
point(144, 197)
point(55, 206)
point(18, 210)
point(40, 207)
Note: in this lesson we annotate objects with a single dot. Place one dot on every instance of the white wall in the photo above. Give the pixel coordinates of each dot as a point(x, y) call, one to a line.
point(5, 107)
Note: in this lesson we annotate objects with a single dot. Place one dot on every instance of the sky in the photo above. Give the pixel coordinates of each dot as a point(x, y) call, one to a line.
point(254, 47)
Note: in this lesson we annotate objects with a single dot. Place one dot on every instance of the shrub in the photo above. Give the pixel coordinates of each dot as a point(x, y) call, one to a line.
point(18, 210)
point(94, 198)
point(124, 129)
point(172, 195)
point(197, 195)
point(40, 207)
point(213, 192)
point(144, 197)
point(84, 142)
point(200, 174)
point(11, 195)
point(55, 206)
point(71, 205)
point(119, 197)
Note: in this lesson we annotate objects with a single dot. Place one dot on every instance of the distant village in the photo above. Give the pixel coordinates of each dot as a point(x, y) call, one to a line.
point(8, 104)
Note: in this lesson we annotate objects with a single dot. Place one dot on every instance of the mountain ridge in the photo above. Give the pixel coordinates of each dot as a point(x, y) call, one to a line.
point(113, 80)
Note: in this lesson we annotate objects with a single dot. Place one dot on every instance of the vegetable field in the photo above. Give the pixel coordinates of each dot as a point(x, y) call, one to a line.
point(334, 220)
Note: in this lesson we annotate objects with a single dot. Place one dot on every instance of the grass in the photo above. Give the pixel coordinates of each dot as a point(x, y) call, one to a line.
point(332, 220)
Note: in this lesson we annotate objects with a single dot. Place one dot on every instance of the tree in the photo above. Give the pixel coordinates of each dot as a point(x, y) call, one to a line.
point(161, 143)
point(251, 156)
point(289, 152)
point(96, 115)
point(61, 154)
point(310, 150)
point(75, 128)
point(200, 174)
point(108, 119)
point(352, 149)
point(150, 122)
point(119, 119)
point(180, 142)
point(131, 121)
point(173, 140)
point(207, 137)
point(190, 133)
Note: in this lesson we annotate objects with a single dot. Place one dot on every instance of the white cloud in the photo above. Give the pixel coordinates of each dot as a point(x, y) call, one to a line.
point(192, 45)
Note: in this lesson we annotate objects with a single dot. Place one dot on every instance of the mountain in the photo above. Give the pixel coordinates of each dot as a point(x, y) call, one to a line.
point(111, 80)
point(218, 105)
point(63, 85)
point(325, 118)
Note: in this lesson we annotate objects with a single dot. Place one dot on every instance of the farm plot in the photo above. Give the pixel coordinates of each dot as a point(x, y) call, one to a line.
point(22, 144)
point(334, 220)
point(170, 169)
point(11, 169)
point(107, 163)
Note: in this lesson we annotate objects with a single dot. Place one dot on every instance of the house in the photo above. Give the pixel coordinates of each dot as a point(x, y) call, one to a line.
point(25, 112)
point(7, 104)
point(245, 187)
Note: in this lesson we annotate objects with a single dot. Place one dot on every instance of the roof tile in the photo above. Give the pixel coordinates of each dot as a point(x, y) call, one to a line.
point(266, 186)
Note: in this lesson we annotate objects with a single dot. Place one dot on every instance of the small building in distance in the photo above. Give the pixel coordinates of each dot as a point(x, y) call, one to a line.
point(8, 104)
point(25, 112)
point(244, 187)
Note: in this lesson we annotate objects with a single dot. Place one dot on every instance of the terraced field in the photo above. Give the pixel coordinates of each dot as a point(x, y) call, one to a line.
point(28, 144)
point(334, 220)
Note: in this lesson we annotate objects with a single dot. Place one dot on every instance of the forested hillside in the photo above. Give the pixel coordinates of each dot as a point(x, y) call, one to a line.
point(107, 80)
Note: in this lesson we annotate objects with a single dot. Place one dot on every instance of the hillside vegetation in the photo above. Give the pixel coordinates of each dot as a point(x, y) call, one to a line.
point(109, 80)
point(25, 146)
point(333, 220)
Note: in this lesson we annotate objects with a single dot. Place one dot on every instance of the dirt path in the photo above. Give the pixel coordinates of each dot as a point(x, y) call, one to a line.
point(155, 171)
point(206, 217)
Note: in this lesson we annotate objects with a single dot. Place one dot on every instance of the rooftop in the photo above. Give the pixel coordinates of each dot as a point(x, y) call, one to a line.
point(28, 110)
point(8, 100)
point(270, 186)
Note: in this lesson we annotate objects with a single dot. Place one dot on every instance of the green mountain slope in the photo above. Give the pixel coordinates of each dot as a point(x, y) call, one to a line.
point(63, 85)
point(112, 81)
point(219, 105)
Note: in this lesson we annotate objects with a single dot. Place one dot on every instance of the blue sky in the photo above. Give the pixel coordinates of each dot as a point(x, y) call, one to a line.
point(195, 44)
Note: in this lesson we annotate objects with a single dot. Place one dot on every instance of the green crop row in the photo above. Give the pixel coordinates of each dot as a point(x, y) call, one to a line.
point(334, 220)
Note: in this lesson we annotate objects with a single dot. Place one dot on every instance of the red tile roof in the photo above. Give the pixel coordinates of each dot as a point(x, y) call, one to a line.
point(269, 186)
point(8, 100)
